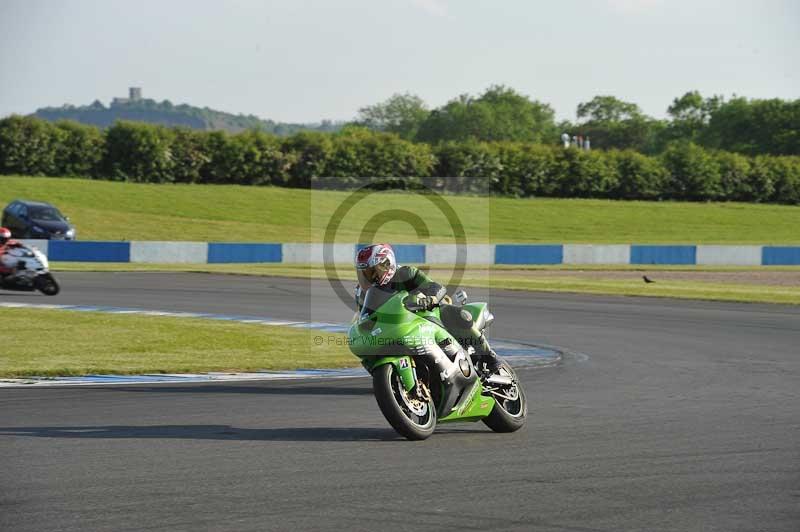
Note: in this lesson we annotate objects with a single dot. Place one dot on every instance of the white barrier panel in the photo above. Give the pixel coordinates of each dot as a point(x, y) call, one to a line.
point(477, 254)
point(597, 254)
point(169, 252)
point(313, 254)
point(447, 253)
point(41, 245)
point(729, 255)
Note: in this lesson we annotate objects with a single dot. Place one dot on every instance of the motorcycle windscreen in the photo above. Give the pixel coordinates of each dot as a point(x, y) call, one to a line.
point(374, 299)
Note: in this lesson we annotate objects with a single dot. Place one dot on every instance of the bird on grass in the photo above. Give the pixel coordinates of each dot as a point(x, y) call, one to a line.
point(647, 279)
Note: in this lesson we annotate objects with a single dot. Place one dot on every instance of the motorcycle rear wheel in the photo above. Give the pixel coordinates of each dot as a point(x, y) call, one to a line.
point(408, 416)
point(47, 285)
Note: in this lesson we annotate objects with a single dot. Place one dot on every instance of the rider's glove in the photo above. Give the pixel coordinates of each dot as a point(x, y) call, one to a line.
point(426, 302)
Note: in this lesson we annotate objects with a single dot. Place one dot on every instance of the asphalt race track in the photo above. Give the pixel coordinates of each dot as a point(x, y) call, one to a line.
point(685, 416)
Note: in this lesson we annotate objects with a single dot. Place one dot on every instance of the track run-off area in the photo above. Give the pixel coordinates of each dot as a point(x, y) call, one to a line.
point(683, 415)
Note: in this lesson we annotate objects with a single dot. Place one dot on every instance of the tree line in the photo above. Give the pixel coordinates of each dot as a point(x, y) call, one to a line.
point(167, 114)
point(741, 125)
point(139, 152)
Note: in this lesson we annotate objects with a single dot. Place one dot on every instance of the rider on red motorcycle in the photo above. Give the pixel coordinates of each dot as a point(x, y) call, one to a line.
point(7, 264)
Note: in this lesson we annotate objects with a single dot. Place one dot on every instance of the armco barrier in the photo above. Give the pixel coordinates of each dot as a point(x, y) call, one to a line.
point(780, 255)
point(169, 252)
point(528, 254)
point(314, 253)
point(41, 245)
point(663, 254)
point(408, 253)
point(597, 254)
point(89, 251)
point(229, 253)
point(729, 255)
point(476, 254)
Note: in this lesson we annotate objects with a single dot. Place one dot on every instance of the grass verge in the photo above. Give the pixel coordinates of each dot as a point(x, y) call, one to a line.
point(582, 279)
point(104, 210)
point(81, 343)
point(745, 293)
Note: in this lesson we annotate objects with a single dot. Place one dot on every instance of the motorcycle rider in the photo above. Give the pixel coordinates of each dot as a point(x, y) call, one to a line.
point(376, 266)
point(8, 264)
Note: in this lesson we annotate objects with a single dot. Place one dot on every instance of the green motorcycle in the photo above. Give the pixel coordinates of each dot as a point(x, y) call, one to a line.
point(422, 375)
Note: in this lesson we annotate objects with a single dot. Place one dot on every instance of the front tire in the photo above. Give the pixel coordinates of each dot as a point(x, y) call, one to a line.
point(410, 417)
point(47, 285)
point(508, 415)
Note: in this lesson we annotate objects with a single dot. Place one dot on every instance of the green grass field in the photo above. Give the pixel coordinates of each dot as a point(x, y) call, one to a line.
point(103, 210)
point(90, 342)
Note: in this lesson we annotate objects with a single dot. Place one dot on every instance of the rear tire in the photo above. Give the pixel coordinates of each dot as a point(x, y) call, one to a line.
point(508, 415)
point(47, 285)
point(389, 393)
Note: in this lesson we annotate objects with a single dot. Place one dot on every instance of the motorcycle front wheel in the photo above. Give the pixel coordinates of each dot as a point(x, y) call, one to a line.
point(511, 405)
point(410, 416)
point(47, 285)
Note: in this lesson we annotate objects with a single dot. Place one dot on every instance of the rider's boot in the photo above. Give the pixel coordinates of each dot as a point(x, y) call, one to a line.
point(487, 355)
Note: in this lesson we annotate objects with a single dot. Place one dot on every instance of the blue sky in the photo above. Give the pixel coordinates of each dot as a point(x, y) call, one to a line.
point(303, 61)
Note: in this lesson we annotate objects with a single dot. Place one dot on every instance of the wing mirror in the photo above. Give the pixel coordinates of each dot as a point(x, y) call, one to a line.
point(460, 296)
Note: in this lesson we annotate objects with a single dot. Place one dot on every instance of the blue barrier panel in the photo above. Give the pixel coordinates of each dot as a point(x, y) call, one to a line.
point(69, 250)
point(404, 253)
point(226, 253)
point(784, 255)
point(410, 253)
point(528, 254)
point(663, 254)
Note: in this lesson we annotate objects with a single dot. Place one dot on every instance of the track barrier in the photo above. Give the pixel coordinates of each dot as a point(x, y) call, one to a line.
point(476, 254)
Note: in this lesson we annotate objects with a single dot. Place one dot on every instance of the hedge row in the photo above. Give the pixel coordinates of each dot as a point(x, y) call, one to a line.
point(139, 152)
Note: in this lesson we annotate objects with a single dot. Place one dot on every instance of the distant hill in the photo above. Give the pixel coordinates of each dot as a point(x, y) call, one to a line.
point(167, 114)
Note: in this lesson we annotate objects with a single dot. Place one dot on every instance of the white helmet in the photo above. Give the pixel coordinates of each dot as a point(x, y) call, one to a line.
point(376, 264)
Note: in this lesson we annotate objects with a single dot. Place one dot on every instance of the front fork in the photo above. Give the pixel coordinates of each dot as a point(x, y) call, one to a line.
point(406, 369)
point(404, 365)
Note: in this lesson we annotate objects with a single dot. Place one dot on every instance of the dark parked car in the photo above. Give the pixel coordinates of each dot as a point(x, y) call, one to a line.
point(34, 219)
